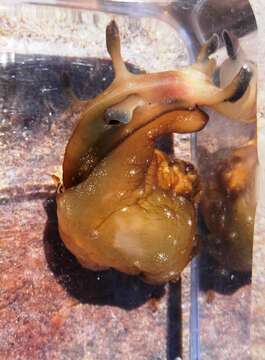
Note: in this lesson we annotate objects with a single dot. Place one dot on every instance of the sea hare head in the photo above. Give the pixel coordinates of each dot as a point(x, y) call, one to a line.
point(151, 95)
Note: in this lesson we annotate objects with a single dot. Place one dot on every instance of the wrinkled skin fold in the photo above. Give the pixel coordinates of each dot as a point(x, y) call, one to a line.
point(122, 203)
point(228, 207)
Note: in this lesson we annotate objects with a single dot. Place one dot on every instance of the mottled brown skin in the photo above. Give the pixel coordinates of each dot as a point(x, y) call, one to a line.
point(123, 203)
point(228, 207)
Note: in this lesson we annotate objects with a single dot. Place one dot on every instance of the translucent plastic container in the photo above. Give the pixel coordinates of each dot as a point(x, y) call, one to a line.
point(51, 307)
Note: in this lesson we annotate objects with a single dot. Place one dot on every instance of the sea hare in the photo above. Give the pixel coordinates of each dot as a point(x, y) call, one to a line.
point(228, 206)
point(122, 202)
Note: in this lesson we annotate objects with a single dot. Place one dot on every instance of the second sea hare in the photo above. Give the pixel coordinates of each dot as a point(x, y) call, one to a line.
point(229, 205)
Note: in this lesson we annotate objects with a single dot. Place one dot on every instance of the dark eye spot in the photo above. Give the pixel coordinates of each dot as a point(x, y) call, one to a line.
point(114, 122)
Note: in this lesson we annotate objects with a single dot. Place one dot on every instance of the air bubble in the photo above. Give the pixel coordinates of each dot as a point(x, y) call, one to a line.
point(132, 172)
point(150, 134)
point(121, 194)
point(218, 241)
point(224, 272)
point(250, 219)
point(141, 193)
point(132, 160)
point(94, 234)
point(233, 235)
point(161, 257)
point(169, 214)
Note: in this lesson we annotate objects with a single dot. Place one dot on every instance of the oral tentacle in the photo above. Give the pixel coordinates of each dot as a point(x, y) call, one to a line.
point(241, 83)
point(235, 89)
point(196, 87)
point(243, 109)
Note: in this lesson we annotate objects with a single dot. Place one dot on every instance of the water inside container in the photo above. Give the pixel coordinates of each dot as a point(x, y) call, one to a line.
point(52, 307)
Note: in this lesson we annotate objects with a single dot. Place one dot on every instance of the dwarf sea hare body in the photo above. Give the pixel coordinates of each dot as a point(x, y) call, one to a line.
point(123, 203)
